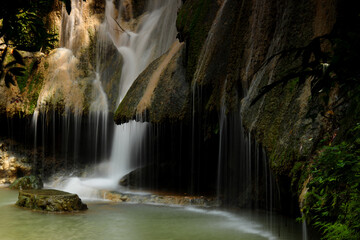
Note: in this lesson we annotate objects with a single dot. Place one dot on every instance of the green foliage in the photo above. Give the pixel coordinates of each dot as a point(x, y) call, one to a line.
point(22, 27)
point(333, 201)
point(10, 69)
point(23, 24)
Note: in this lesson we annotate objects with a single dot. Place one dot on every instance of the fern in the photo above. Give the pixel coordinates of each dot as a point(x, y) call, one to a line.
point(333, 201)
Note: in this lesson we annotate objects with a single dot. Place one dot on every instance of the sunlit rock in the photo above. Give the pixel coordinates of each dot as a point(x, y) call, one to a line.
point(12, 165)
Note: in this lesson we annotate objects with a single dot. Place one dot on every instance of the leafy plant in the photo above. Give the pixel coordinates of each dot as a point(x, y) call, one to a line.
point(333, 201)
point(22, 27)
point(10, 70)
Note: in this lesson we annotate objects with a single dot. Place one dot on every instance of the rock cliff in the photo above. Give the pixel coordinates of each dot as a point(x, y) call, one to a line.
point(274, 62)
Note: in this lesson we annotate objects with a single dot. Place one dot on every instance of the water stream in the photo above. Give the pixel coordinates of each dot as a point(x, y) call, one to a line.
point(242, 172)
point(106, 220)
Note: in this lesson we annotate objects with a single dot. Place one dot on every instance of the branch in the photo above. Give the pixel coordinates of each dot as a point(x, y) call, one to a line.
point(283, 80)
point(305, 52)
point(287, 52)
point(3, 58)
point(122, 29)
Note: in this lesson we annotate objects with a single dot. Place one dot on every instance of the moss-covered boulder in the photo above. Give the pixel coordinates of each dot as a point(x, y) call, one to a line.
point(161, 93)
point(50, 200)
point(27, 182)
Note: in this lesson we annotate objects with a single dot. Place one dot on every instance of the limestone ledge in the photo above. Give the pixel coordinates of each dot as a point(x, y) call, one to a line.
point(199, 201)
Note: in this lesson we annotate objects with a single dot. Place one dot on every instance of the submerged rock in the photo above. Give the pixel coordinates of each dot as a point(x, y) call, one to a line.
point(50, 200)
point(166, 199)
point(27, 182)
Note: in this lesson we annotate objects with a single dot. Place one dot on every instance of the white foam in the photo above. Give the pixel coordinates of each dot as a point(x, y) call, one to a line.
point(86, 188)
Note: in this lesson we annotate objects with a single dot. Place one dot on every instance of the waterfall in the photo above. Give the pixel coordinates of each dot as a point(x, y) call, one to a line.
point(137, 42)
point(61, 100)
point(222, 126)
point(243, 175)
point(304, 228)
point(98, 116)
point(138, 49)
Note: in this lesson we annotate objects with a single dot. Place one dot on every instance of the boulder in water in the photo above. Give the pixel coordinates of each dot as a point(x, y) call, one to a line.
point(27, 182)
point(50, 200)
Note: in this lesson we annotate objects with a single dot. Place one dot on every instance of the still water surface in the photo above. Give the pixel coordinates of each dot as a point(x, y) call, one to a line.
point(106, 220)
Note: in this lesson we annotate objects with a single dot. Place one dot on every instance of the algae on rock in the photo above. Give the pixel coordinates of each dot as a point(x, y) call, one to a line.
point(50, 200)
point(27, 182)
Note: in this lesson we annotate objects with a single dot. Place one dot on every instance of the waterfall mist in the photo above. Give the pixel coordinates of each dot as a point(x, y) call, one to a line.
point(124, 48)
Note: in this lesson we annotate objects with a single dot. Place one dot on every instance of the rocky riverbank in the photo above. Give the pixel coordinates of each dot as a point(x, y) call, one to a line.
point(12, 164)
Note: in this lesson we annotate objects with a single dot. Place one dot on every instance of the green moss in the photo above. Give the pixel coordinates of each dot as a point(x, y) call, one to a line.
point(27, 182)
point(50, 200)
point(298, 174)
point(22, 80)
point(34, 90)
point(281, 161)
point(292, 85)
point(46, 65)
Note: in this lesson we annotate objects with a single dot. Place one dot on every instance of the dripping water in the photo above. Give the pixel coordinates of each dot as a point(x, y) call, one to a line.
point(138, 47)
point(304, 228)
point(222, 127)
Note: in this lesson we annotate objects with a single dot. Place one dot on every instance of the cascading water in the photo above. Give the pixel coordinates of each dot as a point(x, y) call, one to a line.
point(99, 115)
point(222, 127)
point(138, 47)
point(61, 101)
point(151, 39)
point(243, 175)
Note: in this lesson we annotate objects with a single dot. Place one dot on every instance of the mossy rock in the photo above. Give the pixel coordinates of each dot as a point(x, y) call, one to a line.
point(27, 182)
point(50, 200)
point(169, 99)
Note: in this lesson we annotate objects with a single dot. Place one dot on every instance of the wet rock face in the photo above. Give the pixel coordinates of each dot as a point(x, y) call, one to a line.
point(289, 120)
point(138, 7)
point(232, 51)
point(131, 8)
point(193, 24)
point(50, 200)
point(230, 62)
point(27, 182)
